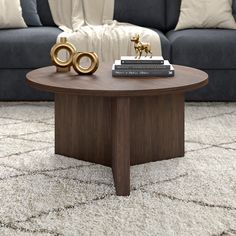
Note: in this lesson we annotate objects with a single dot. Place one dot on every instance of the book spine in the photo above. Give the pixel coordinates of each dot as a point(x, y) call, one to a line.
point(117, 73)
point(142, 62)
point(142, 67)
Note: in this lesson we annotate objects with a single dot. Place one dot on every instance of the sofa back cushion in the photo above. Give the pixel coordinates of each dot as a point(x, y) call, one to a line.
point(148, 13)
point(30, 12)
point(234, 9)
point(45, 13)
point(173, 12)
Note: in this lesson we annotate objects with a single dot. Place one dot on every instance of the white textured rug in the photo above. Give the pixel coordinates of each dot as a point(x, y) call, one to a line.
point(44, 194)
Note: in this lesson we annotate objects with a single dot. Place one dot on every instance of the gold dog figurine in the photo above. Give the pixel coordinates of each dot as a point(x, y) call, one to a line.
point(140, 47)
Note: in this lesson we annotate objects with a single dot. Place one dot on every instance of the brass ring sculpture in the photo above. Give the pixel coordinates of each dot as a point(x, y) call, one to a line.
point(83, 70)
point(62, 66)
point(74, 58)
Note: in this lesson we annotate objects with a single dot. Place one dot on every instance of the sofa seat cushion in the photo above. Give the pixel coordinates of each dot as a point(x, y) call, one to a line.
point(204, 48)
point(27, 48)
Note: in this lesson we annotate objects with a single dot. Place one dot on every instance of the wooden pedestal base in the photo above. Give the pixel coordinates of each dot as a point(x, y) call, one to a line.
point(119, 132)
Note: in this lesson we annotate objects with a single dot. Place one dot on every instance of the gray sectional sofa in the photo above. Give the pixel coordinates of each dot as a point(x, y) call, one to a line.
point(212, 50)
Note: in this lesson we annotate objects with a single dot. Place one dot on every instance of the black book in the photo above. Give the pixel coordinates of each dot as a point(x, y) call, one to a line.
point(142, 60)
point(141, 66)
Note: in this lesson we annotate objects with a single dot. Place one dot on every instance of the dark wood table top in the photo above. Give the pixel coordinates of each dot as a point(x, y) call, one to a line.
point(103, 84)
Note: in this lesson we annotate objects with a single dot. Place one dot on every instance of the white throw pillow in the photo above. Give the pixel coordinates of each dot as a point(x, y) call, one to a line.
point(206, 14)
point(11, 14)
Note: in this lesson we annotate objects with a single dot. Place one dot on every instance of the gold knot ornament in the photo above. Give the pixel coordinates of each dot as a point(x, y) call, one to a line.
point(73, 59)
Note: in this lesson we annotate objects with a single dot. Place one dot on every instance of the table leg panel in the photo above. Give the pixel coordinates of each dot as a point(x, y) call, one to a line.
point(121, 145)
point(157, 128)
point(83, 128)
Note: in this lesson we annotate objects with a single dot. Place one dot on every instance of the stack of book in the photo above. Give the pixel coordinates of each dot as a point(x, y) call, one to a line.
point(143, 67)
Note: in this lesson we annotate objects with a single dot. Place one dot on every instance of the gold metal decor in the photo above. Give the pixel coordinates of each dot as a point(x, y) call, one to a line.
point(83, 70)
point(74, 58)
point(140, 47)
point(62, 66)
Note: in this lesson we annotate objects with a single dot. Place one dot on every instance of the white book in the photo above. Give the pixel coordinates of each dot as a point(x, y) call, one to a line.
point(142, 60)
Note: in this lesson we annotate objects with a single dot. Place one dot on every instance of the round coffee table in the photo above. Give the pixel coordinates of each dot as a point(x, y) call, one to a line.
point(118, 122)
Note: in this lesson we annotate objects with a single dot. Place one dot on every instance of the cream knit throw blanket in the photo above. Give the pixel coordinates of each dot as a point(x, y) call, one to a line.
point(89, 25)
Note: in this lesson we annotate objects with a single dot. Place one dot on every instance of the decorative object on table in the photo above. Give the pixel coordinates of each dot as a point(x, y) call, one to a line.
point(140, 47)
point(142, 66)
point(63, 65)
point(85, 70)
point(73, 59)
point(145, 67)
